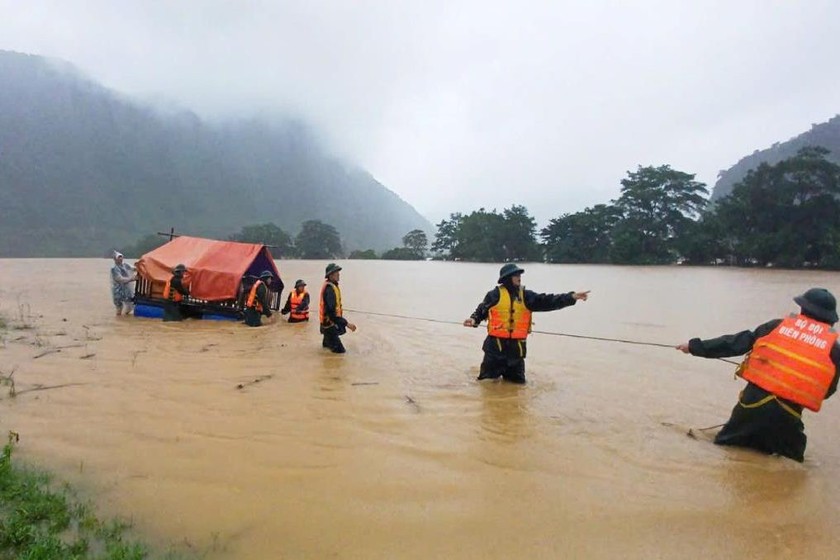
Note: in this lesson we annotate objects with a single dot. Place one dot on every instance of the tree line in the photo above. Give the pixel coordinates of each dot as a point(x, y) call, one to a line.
point(786, 215)
point(316, 240)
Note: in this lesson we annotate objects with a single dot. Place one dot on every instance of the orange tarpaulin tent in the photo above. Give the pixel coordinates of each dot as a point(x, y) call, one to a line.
point(214, 268)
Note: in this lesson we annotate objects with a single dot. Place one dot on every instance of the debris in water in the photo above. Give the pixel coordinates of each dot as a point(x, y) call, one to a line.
point(256, 380)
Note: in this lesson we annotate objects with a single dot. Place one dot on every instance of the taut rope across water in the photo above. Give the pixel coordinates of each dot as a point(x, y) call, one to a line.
point(569, 335)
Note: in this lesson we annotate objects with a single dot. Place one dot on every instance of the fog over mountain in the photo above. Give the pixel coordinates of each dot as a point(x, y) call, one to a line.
point(84, 168)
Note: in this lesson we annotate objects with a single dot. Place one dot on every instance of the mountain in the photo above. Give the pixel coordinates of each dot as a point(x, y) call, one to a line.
point(826, 134)
point(83, 169)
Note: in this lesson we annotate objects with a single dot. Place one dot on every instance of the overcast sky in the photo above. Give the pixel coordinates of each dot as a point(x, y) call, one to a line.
point(457, 104)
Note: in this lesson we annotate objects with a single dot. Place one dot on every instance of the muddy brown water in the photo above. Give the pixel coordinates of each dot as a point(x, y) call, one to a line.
point(394, 450)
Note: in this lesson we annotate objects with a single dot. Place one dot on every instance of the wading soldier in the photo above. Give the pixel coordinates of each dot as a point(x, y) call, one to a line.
point(297, 304)
point(507, 308)
point(174, 293)
point(791, 364)
point(257, 304)
point(333, 323)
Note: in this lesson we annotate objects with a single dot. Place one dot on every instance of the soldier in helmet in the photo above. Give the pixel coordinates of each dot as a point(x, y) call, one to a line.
point(507, 308)
point(333, 323)
point(791, 364)
point(174, 292)
point(257, 303)
point(297, 304)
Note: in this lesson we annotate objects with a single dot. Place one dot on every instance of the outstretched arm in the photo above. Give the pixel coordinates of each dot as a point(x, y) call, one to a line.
point(550, 302)
point(729, 344)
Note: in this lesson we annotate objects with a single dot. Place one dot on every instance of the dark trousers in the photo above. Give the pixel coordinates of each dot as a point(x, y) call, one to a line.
point(503, 358)
point(253, 318)
point(332, 340)
point(765, 424)
point(509, 368)
point(172, 311)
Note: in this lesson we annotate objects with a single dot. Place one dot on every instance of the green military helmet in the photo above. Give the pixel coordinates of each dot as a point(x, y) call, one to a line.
point(819, 304)
point(510, 269)
point(332, 267)
point(299, 283)
point(266, 274)
point(179, 268)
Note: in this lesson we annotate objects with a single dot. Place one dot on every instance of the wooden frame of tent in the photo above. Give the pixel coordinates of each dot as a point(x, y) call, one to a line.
point(220, 275)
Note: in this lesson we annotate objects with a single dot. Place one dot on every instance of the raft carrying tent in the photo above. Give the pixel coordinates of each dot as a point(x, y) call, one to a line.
point(219, 273)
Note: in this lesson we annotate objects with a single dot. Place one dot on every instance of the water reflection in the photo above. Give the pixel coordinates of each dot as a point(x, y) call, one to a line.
point(755, 480)
point(504, 412)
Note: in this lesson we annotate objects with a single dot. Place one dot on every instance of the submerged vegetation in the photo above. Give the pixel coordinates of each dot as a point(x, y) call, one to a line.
point(39, 520)
point(42, 519)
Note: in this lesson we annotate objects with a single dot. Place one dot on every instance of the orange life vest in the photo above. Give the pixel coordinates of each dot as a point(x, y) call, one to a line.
point(295, 300)
point(509, 318)
point(253, 302)
point(322, 316)
point(170, 294)
point(793, 362)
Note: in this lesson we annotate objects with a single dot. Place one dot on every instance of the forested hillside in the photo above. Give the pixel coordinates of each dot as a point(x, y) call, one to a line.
point(825, 135)
point(83, 169)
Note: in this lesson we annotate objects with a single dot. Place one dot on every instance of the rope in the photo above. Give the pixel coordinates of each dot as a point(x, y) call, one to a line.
point(403, 317)
point(710, 427)
point(603, 339)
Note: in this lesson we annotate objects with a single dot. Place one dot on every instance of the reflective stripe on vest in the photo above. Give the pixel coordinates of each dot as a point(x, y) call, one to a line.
point(794, 361)
point(170, 294)
point(252, 301)
point(295, 300)
point(322, 316)
point(509, 318)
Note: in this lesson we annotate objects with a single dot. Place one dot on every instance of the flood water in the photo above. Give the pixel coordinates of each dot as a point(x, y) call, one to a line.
point(394, 450)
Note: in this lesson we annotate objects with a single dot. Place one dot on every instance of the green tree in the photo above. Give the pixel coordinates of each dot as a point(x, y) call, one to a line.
point(657, 205)
point(368, 254)
point(520, 232)
point(786, 214)
point(416, 241)
point(703, 241)
point(318, 240)
point(582, 237)
point(400, 254)
point(488, 236)
point(446, 237)
point(279, 241)
point(481, 237)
